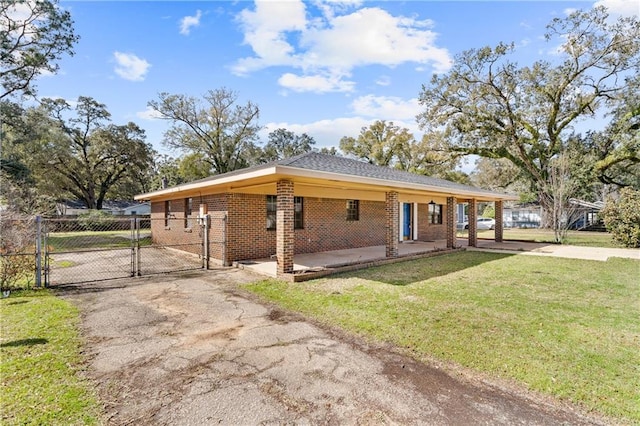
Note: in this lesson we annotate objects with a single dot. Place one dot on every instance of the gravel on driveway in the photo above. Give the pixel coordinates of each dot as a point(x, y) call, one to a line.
point(194, 349)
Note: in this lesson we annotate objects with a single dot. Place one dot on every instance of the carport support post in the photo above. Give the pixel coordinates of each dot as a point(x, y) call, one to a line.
point(498, 208)
point(472, 212)
point(284, 227)
point(451, 222)
point(392, 211)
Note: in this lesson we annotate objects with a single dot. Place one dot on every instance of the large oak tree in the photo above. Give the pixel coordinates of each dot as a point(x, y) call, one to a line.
point(284, 143)
point(34, 35)
point(384, 143)
point(76, 152)
point(489, 105)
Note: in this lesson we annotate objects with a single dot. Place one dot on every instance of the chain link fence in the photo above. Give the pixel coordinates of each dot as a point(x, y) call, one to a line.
point(35, 251)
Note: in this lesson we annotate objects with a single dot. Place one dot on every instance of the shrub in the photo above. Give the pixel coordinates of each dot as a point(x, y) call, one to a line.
point(622, 217)
point(17, 252)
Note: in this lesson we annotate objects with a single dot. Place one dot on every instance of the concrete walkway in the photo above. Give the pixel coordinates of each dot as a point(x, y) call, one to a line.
point(338, 258)
point(555, 250)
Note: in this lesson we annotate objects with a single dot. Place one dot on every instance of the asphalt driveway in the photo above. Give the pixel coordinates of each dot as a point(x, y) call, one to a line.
point(196, 350)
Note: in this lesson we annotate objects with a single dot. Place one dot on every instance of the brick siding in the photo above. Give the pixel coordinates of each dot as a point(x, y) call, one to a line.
point(326, 226)
point(430, 231)
point(189, 239)
point(241, 220)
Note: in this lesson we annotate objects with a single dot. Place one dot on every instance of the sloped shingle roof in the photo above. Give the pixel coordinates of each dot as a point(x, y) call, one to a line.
point(347, 166)
point(314, 161)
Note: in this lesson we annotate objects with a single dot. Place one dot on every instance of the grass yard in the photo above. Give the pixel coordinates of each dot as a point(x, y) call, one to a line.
point(576, 238)
point(40, 363)
point(562, 327)
point(87, 240)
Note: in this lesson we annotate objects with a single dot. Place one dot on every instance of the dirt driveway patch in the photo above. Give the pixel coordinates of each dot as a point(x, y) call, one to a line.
point(195, 350)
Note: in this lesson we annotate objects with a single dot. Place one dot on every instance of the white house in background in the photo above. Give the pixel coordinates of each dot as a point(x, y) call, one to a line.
point(116, 208)
point(522, 216)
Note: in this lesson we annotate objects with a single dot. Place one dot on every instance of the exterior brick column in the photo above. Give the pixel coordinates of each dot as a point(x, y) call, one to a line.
point(451, 222)
point(284, 227)
point(473, 223)
point(498, 208)
point(392, 211)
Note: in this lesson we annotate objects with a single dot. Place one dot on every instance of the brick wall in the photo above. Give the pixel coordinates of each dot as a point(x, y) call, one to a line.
point(247, 234)
point(429, 231)
point(173, 232)
point(241, 219)
point(326, 226)
point(190, 238)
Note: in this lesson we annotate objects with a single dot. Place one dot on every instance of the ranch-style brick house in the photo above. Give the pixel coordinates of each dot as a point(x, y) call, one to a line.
point(314, 203)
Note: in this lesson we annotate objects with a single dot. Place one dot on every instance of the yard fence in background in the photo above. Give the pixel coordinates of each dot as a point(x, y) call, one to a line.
point(36, 252)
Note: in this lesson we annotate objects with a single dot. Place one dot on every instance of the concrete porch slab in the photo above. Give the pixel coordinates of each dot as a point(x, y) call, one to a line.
point(309, 262)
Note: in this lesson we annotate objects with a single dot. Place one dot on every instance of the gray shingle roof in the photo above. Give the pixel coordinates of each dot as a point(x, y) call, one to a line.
point(347, 166)
point(326, 163)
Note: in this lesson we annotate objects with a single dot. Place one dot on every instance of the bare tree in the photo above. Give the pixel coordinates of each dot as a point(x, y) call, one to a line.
point(560, 189)
point(220, 131)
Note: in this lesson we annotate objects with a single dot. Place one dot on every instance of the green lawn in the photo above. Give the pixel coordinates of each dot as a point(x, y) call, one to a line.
point(562, 327)
point(40, 363)
point(87, 240)
point(576, 238)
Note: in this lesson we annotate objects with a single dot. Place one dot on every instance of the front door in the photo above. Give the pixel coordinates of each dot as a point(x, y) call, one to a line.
point(406, 221)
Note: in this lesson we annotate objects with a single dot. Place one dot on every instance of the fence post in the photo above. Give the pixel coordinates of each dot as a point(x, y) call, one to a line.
point(38, 251)
point(132, 228)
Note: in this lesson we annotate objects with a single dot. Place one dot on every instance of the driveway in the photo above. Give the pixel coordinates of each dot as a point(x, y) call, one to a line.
point(196, 350)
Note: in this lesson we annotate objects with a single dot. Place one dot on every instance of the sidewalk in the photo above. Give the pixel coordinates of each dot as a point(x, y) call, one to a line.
point(556, 250)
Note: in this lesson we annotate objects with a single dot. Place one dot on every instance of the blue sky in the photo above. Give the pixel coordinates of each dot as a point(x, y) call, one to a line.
point(326, 68)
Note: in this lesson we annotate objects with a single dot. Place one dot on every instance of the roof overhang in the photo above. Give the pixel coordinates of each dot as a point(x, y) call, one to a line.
point(264, 180)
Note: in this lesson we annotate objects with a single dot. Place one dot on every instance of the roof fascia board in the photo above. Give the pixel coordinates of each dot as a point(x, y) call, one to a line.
point(209, 182)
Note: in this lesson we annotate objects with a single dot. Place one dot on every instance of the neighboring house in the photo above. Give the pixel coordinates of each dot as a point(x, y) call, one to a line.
point(582, 215)
point(585, 215)
point(116, 208)
point(529, 216)
point(314, 203)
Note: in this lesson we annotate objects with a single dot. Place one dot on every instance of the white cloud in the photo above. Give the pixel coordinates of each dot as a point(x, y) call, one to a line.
point(388, 108)
point(326, 133)
point(188, 22)
point(367, 110)
point(315, 83)
point(621, 7)
point(524, 42)
point(332, 46)
point(265, 31)
point(148, 114)
point(383, 80)
point(568, 11)
point(130, 67)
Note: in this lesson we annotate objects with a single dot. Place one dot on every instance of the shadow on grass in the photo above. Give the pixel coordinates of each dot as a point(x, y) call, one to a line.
point(412, 271)
point(17, 302)
point(24, 342)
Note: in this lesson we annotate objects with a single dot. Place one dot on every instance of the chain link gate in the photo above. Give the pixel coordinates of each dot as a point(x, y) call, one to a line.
point(77, 251)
